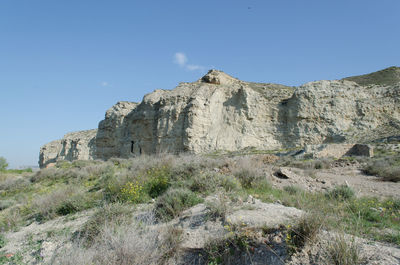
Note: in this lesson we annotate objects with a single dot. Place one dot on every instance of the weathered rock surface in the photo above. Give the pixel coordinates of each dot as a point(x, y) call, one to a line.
point(112, 130)
point(219, 112)
point(74, 146)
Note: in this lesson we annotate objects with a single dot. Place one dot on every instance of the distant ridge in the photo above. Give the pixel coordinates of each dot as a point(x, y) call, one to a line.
point(389, 76)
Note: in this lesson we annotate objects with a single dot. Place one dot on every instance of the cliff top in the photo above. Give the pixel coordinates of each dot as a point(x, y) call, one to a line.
point(388, 76)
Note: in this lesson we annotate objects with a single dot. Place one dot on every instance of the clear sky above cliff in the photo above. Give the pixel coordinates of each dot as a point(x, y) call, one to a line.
point(64, 63)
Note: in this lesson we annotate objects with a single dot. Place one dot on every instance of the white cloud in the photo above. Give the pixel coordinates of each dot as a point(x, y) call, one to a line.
point(193, 67)
point(104, 83)
point(181, 59)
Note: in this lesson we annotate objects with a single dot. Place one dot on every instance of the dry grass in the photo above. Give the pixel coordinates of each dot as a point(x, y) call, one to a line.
point(136, 243)
point(248, 171)
point(305, 231)
point(62, 201)
point(219, 208)
point(342, 251)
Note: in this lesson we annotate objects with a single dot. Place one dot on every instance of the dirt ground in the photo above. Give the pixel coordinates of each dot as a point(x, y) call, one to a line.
point(342, 174)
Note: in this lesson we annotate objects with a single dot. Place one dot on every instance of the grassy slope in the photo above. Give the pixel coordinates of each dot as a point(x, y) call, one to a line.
point(176, 184)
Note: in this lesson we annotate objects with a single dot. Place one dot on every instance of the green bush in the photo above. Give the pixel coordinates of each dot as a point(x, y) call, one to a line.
point(173, 202)
point(158, 180)
point(3, 163)
point(341, 192)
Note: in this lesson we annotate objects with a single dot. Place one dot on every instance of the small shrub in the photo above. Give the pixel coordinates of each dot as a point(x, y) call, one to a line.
point(247, 177)
point(343, 252)
point(116, 214)
point(3, 163)
point(158, 181)
point(132, 192)
point(387, 169)
point(341, 192)
point(229, 183)
point(133, 243)
point(62, 201)
point(234, 248)
point(173, 202)
point(203, 183)
point(304, 232)
point(64, 164)
point(292, 189)
point(2, 241)
point(248, 171)
point(391, 174)
point(218, 208)
point(10, 219)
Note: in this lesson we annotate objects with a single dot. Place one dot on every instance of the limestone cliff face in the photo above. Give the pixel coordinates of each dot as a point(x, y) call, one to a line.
point(74, 146)
point(341, 111)
point(112, 130)
point(219, 112)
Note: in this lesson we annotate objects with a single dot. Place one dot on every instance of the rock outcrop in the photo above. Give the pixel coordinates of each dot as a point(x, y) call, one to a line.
point(219, 112)
point(74, 146)
point(112, 130)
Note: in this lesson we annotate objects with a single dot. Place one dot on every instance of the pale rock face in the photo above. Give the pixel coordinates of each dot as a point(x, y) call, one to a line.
point(74, 146)
point(219, 112)
point(112, 130)
point(340, 111)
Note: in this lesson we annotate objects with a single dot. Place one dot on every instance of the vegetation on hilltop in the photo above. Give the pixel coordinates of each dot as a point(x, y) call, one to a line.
point(388, 76)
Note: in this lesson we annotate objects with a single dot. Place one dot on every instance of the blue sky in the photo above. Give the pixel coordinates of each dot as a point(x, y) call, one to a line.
point(64, 63)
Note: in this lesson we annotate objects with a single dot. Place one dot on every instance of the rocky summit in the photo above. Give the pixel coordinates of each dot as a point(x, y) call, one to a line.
point(221, 113)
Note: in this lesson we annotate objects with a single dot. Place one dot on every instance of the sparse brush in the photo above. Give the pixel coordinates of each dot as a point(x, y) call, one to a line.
point(304, 232)
point(134, 243)
point(62, 201)
point(342, 251)
point(292, 189)
point(203, 183)
point(248, 171)
point(115, 214)
point(342, 192)
point(13, 183)
point(10, 218)
point(218, 208)
point(386, 168)
point(173, 202)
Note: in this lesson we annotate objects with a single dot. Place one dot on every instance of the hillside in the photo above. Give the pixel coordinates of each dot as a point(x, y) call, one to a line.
point(194, 209)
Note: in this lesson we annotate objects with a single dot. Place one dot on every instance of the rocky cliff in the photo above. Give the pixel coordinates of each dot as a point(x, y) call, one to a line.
point(74, 146)
point(219, 112)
